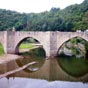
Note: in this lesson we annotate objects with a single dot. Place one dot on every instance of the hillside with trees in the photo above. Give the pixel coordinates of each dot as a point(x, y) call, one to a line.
point(72, 18)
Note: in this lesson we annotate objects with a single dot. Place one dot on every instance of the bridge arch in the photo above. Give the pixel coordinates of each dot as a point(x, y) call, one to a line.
point(66, 40)
point(23, 39)
point(42, 37)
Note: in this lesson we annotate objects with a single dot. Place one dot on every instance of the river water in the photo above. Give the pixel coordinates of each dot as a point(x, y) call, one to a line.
point(51, 69)
point(35, 83)
point(18, 82)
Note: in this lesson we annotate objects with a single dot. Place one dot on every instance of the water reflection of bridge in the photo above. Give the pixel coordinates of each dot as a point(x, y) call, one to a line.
point(49, 71)
point(51, 42)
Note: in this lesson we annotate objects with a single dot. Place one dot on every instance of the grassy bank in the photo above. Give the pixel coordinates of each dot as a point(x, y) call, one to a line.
point(26, 46)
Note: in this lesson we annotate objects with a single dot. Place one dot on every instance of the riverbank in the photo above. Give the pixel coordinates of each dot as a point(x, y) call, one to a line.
point(5, 58)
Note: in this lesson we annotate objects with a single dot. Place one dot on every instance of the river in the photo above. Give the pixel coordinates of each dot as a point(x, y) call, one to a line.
point(52, 69)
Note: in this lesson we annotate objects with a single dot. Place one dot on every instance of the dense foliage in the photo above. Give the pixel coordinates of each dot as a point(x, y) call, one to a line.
point(72, 18)
point(10, 19)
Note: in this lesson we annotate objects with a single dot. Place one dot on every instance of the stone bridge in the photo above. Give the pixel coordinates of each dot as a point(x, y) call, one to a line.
point(51, 41)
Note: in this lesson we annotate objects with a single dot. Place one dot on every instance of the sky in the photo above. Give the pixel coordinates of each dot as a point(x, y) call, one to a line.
point(36, 6)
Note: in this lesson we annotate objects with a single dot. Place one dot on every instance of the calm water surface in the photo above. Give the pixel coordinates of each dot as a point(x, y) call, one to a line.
point(65, 64)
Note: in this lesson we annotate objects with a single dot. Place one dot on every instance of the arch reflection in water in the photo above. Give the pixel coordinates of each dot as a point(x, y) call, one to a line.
point(32, 51)
point(73, 57)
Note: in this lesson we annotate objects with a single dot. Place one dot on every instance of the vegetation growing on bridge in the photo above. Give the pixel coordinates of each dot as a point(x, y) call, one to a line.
point(72, 18)
point(1, 49)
